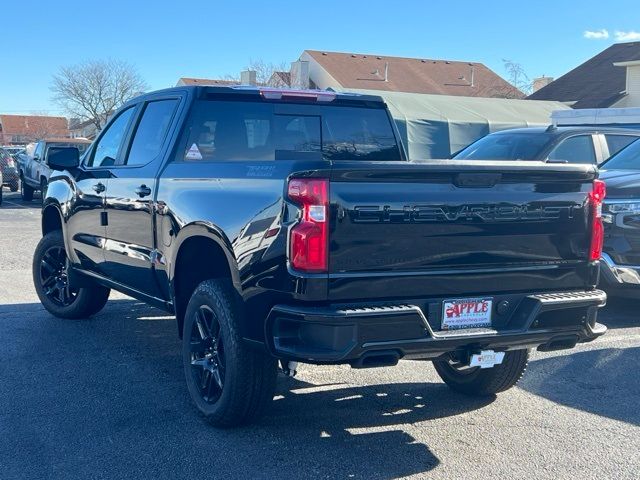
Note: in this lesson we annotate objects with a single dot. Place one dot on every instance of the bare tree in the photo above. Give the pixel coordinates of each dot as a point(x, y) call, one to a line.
point(91, 91)
point(264, 70)
point(516, 76)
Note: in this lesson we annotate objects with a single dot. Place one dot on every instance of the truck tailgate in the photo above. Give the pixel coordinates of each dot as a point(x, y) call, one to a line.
point(456, 227)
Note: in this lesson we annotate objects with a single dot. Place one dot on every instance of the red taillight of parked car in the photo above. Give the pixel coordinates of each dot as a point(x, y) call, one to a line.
point(596, 197)
point(309, 238)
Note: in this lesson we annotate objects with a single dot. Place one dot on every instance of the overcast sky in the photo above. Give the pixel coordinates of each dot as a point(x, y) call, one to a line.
point(212, 38)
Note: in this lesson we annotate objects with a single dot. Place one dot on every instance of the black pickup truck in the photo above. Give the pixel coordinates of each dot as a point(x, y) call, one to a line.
point(287, 226)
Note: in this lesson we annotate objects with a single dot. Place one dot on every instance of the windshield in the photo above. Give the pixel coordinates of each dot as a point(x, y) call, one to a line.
point(626, 159)
point(507, 146)
point(80, 146)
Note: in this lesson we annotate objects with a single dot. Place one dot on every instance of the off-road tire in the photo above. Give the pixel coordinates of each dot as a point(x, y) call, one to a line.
point(43, 189)
point(487, 381)
point(88, 301)
point(249, 374)
point(26, 192)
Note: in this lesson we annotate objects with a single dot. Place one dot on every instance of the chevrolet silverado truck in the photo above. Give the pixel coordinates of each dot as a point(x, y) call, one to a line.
point(284, 226)
point(34, 169)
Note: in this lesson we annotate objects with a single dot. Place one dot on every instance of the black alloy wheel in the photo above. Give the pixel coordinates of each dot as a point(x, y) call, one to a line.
point(207, 354)
point(54, 277)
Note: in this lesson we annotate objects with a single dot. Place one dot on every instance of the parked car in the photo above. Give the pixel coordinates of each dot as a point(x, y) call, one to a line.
point(1, 180)
point(621, 215)
point(13, 150)
point(34, 170)
point(557, 144)
point(9, 170)
point(288, 225)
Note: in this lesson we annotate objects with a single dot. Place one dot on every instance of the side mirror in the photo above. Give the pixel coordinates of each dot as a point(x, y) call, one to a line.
point(63, 158)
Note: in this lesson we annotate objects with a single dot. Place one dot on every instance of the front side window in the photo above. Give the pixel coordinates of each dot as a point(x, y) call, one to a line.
point(577, 149)
point(151, 132)
point(247, 130)
point(39, 151)
point(108, 147)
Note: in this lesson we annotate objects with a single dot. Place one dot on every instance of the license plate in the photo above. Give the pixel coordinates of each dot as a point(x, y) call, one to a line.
point(466, 313)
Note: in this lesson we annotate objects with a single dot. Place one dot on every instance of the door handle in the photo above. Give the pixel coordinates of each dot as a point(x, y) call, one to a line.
point(99, 187)
point(143, 191)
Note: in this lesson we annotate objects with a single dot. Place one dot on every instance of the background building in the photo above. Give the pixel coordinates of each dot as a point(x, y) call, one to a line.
point(610, 79)
point(341, 71)
point(22, 129)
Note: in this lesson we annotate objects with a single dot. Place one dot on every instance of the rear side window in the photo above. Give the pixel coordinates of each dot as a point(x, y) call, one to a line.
point(578, 149)
point(107, 149)
point(151, 132)
point(618, 142)
point(244, 130)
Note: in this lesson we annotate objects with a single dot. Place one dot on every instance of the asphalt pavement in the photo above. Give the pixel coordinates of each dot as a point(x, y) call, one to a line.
point(105, 398)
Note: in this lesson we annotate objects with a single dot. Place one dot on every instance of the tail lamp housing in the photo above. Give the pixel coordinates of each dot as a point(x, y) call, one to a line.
point(309, 238)
point(596, 198)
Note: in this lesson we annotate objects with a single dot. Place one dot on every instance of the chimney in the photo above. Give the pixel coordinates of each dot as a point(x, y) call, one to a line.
point(248, 77)
point(540, 82)
point(300, 74)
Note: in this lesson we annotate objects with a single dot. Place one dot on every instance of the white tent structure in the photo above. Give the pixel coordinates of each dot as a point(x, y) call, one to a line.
point(435, 126)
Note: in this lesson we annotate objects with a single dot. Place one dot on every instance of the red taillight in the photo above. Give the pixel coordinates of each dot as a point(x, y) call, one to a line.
point(596, 197)
point(309, 238)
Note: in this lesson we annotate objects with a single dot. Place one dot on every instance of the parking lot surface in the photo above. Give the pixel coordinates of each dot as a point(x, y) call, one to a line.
point(105, 398)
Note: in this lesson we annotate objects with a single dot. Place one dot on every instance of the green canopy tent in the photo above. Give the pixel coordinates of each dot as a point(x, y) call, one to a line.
point(435, 126)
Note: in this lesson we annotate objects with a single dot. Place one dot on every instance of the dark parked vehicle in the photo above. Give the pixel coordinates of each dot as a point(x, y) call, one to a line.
point(621, 215)
point(34, 170)
point(9, 170)
point(554, 144)
point(289, 226)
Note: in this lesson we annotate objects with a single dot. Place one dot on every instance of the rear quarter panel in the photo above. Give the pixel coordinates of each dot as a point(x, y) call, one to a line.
point(234, 203)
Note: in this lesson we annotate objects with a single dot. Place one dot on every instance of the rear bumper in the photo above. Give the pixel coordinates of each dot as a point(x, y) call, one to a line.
point(350, 334)
point(10, 177)
point(619, 275)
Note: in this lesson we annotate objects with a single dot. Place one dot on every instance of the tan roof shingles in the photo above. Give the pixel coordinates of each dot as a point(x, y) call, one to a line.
point(414, 75)
point(28, 125)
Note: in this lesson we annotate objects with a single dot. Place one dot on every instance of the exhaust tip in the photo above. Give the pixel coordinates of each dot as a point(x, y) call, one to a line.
point(377, 359)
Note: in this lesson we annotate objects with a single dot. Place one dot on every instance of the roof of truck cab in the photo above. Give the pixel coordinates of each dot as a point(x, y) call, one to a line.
point(203, 90)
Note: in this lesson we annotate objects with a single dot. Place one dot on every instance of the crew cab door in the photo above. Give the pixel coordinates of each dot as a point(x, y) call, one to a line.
point(129, 248)
point(86, 227)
